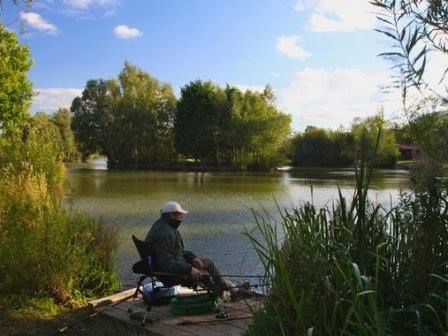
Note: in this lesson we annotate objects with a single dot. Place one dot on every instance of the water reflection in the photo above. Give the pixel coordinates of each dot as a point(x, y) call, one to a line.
point(219, 204)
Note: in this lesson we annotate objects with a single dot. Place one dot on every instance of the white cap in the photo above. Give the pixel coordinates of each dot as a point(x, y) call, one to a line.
point(172, 207)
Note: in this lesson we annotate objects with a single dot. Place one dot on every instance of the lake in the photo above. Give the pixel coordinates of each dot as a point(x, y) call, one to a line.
point(219, 204)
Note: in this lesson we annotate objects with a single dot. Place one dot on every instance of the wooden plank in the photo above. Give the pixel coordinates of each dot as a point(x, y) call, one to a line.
point(168, 324)
point(212, 327)
point(218, 328)
point(158, 328)
point(131, 304)
point(241, 324)
point(111, 299)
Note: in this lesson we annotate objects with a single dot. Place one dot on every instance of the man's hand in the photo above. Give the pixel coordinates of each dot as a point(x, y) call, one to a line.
point(195, 273)
point(198, 263)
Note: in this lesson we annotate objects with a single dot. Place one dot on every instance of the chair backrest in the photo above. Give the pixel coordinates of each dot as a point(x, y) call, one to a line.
point(143, 248)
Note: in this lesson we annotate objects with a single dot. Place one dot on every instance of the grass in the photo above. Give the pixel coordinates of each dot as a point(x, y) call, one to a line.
point(44, 317)
point(405, 164)
point(355, 268)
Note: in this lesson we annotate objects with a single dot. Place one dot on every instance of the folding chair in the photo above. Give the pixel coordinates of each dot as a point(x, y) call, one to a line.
point(145, 267)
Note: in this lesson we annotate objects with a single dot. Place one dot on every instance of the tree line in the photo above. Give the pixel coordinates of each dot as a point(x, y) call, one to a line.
point(137, 121)
point(319, 147)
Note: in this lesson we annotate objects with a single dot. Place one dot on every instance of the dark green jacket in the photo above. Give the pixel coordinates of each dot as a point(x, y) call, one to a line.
point(167, 248)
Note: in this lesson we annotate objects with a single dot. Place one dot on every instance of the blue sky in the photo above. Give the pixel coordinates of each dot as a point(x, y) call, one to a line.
point(319, 55)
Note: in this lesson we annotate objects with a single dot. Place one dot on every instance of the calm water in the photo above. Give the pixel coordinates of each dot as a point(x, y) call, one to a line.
point(218, 204)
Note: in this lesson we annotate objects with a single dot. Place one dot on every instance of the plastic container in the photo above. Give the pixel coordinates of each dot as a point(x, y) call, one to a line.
point(163, 292)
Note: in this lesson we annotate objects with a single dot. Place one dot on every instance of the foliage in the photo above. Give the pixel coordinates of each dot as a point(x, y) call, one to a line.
point(258, 128)
point(429, 128)
point(92, 113)
point(37, 146)
point(371, 129)
point(130, 120)
point(44, 250)
point(318, 147)
point(62, 120)
point(417, 27)
point(15, 88)
point(201, 121)
point(228, 127)
point(355, 268)
point(403, 134)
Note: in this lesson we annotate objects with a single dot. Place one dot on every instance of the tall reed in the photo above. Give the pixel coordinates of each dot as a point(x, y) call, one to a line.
point(355, 268)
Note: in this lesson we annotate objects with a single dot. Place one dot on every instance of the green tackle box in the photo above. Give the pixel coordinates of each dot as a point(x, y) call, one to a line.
point(193, 304)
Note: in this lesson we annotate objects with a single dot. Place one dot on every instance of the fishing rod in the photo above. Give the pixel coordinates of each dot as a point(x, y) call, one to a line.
point(205, 275)
point(157, 273)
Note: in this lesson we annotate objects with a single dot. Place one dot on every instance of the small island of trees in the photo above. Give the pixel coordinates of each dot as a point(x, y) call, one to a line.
point(137, 122)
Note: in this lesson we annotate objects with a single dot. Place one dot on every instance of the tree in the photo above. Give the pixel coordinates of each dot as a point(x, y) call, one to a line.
point(198, 128)
point(318, 147)
point(374, 129)
point(15, 89)
point(429, 128)
point(129, 120)
point(403, 134)
point(93, 116)
point(62, 120)
point(228, 127)
point(259, 130)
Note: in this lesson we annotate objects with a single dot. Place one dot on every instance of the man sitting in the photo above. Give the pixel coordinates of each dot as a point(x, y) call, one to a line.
point(181, 266)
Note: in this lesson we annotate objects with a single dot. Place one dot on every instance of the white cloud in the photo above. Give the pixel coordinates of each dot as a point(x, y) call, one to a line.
point(338, 15)
point(289, 46)
point(84, 4)
point(49, 100)
point(126, 32)
point(274, 74)
point(37, 22)
point(329, 98)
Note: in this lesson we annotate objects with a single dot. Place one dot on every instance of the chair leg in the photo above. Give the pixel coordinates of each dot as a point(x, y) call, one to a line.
point(139, 284)
point(144, 318)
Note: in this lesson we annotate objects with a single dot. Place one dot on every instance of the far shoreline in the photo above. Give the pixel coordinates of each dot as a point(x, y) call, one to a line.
point(101, 163)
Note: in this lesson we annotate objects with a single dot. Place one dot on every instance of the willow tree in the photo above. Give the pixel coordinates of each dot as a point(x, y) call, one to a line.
point(259, 129)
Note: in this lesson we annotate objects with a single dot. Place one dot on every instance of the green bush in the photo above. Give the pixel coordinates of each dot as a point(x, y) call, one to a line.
point(44, 250)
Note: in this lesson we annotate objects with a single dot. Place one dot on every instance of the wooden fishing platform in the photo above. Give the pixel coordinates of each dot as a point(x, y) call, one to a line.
point(241, 312)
